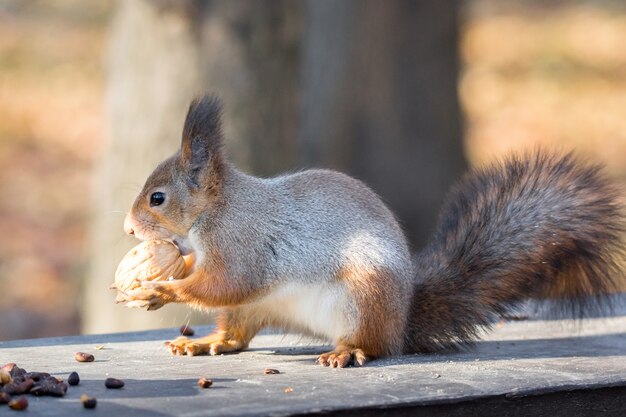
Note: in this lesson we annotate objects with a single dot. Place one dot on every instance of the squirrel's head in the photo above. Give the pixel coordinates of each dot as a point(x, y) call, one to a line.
point(185, 185)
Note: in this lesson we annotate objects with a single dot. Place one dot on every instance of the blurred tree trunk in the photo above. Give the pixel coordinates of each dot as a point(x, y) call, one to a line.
point(163, 53)
point(250, 52)
point(153, 73)
point(379, 100)
point(366, 87)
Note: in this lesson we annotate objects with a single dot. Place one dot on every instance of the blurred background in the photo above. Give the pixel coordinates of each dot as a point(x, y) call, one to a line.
point(405, 95)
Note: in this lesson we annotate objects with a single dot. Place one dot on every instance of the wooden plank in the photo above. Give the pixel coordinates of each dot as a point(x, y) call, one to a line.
point(517, 362)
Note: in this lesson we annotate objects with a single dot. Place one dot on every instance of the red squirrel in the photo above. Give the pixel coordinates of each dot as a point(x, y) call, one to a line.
point(317, 252)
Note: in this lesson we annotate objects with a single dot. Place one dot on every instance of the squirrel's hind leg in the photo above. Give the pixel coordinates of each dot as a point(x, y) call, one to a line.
point(377, 296)
point(235, 329)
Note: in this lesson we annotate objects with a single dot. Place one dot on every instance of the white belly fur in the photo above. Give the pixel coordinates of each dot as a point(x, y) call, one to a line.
point(323, 309)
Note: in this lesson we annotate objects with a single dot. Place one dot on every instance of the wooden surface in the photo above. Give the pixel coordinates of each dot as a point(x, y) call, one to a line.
point(519, 360)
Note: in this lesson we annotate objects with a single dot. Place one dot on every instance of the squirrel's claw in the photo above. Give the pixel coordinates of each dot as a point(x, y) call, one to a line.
point(154, 305)
point(342, 357)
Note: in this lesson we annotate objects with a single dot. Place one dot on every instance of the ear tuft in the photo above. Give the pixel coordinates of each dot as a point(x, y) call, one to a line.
point(202, 133)
point(204, 119)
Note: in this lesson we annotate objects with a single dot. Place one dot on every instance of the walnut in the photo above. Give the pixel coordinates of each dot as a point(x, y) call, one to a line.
point(152, 260)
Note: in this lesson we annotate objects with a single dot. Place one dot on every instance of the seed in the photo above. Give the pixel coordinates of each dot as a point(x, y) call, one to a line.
point(39, 389)
point(49, 386)
point(58, 390)
point(84, 357)
point(19, 403)
point(73, 379)
point(14, 370)
point(205, 382)
point(18, 388)
point(288, 390)
point(88, 402)
point(36, 376)
point(10, 388)
point(269, 371)
point(26, 386)
point(5, 377)
point(113, 383)
point(186, 331)
point(99, 347)
point(4, 398)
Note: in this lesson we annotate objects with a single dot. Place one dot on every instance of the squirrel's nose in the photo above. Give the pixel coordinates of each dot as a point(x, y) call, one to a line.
point(128, 225)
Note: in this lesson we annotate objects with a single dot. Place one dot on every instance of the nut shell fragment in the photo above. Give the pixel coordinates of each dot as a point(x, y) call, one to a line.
point(84, 357)
point(5, 377)
point(205, 382)
point(20, 403)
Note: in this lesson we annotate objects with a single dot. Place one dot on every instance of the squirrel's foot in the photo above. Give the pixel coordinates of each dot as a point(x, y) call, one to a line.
point(342, 356)
point(154, 294)
point(213, 344)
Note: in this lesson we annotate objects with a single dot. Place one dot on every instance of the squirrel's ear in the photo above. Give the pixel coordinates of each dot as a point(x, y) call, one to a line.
point(201, 148)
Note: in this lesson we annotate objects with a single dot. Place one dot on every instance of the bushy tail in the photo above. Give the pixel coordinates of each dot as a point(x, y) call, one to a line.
point(536, 226)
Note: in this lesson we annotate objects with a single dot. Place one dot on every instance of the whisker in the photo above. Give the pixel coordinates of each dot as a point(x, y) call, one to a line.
point(187, 319)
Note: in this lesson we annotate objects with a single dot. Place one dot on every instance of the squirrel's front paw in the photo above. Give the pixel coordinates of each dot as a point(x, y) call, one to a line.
point(152, 294)
point(213, 344)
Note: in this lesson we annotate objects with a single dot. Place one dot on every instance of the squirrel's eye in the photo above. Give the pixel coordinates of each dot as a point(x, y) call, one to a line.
point(156, 199)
